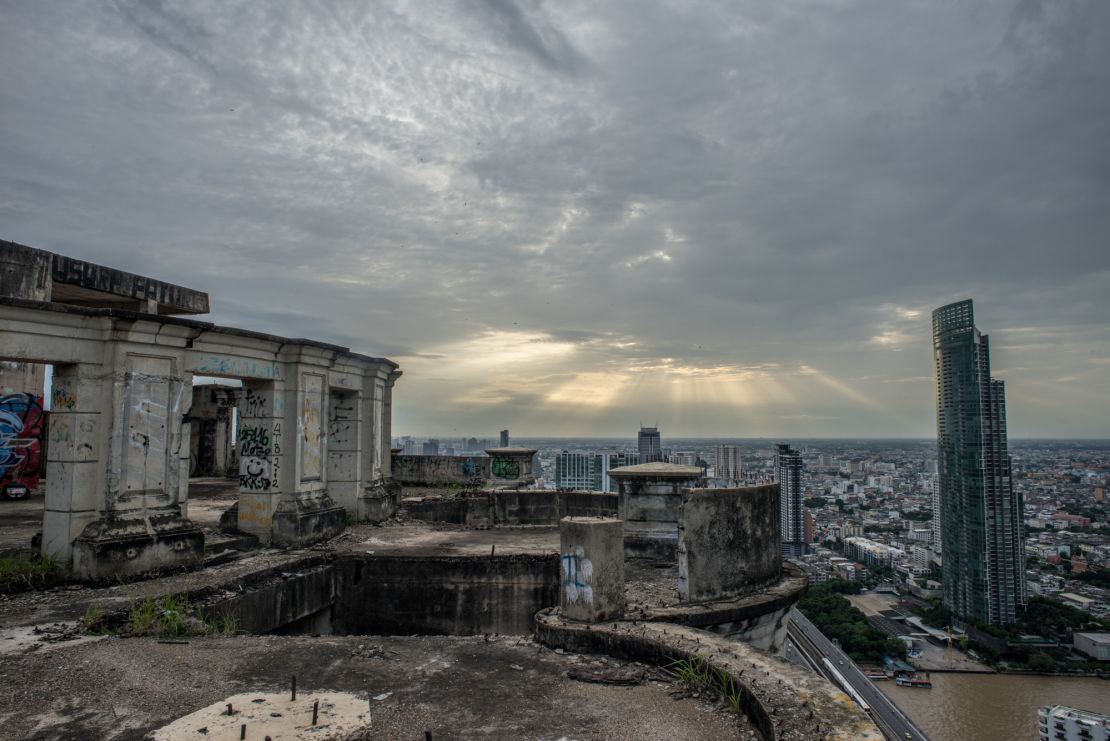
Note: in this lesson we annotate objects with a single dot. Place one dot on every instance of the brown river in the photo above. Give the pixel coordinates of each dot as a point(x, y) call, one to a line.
point(990, 707)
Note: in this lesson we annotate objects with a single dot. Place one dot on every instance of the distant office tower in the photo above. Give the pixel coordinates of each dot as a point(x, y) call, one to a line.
point(410, 446)
point(788, 472)
point(726, 464)
point(684, 457)
point(431, 447)
point(982, 515)
point(650, 444)
point(504, 442)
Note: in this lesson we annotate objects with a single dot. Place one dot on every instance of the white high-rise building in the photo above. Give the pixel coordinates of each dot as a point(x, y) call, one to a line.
point(1072, 724)
point(726, 463)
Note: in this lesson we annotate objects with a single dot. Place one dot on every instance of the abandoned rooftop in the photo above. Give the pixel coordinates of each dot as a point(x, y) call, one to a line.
point(208, 536)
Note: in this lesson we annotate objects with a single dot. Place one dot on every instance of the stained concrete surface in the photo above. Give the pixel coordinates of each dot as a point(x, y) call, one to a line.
point(453, 687)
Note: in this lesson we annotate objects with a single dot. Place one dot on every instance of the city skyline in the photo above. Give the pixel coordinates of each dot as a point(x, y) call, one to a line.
point(560, 219)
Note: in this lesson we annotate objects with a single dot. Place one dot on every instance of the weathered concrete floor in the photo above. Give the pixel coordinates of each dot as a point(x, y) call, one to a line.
point(454, 687)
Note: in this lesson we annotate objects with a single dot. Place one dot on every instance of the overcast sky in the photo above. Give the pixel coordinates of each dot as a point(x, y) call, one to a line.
point(567, 217)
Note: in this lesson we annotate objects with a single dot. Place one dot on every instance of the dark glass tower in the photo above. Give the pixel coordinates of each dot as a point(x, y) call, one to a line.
point(788, 472)
point(981, 515)
point(650, 444)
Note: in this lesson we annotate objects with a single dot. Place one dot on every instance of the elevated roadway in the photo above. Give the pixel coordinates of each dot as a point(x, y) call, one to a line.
point(828, 660)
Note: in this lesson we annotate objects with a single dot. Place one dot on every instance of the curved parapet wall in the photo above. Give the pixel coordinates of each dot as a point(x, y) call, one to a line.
point(758, 617)
point(782, 701)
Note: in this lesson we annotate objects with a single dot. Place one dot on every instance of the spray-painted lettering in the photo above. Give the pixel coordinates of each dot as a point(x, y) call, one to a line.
point(578, 576)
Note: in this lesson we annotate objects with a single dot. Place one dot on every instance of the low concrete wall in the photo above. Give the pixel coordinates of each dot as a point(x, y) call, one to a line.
point(360, 594)
point(403, 595)
point(440, 470)
point(587, 504)
point(281, 600)
point(781, 700)
point(512, 508)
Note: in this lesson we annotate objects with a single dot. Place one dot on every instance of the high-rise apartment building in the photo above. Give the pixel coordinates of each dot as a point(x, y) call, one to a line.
point(504, 441)
point(726, 463)
point(981, 514)
point(580, 471)
point(650, 445)
point(788, 472)
point(589, 471)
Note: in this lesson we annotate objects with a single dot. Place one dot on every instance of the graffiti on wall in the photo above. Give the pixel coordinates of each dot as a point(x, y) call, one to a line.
point(341, 421)
point(505, 468)
point(21, 428)
point(440, 469)
point(238, 367)
point(255, 448)
point(578, 576)
point(256, 403)
point(62, 399)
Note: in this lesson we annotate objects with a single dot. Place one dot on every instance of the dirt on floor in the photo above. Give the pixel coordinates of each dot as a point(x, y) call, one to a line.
point(452, 687)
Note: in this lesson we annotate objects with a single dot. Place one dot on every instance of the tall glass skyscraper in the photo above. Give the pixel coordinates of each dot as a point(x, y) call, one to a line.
point(981, 515)
point(788, 472)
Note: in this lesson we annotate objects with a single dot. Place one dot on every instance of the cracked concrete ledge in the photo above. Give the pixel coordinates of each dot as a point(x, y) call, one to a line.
point(762, 599)
point(782, 701)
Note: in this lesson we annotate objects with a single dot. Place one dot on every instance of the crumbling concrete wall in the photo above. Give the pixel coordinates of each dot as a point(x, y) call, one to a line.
point(441, 470)
point(728, 541)
point(511, 508)
point(403, 595)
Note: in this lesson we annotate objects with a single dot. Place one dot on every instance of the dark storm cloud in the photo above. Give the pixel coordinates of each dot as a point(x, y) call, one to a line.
point(565, 217)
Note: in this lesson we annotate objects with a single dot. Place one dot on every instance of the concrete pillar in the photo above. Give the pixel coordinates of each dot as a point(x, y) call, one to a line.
point(134, 414)
point(304, 511)
point(344, 441)
point(385, 437)
point(650, 497)
point(262, 445)
point(75, 464)
point(728, 541)
point(592, 550)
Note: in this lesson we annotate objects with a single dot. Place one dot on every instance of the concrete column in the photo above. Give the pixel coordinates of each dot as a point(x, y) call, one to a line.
point(75, 467)
point(592, 550)
point(139, 524)
point(384, 440)
point(305, 513)
point(344, 441)
point(262, 442)
point(376, 501)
